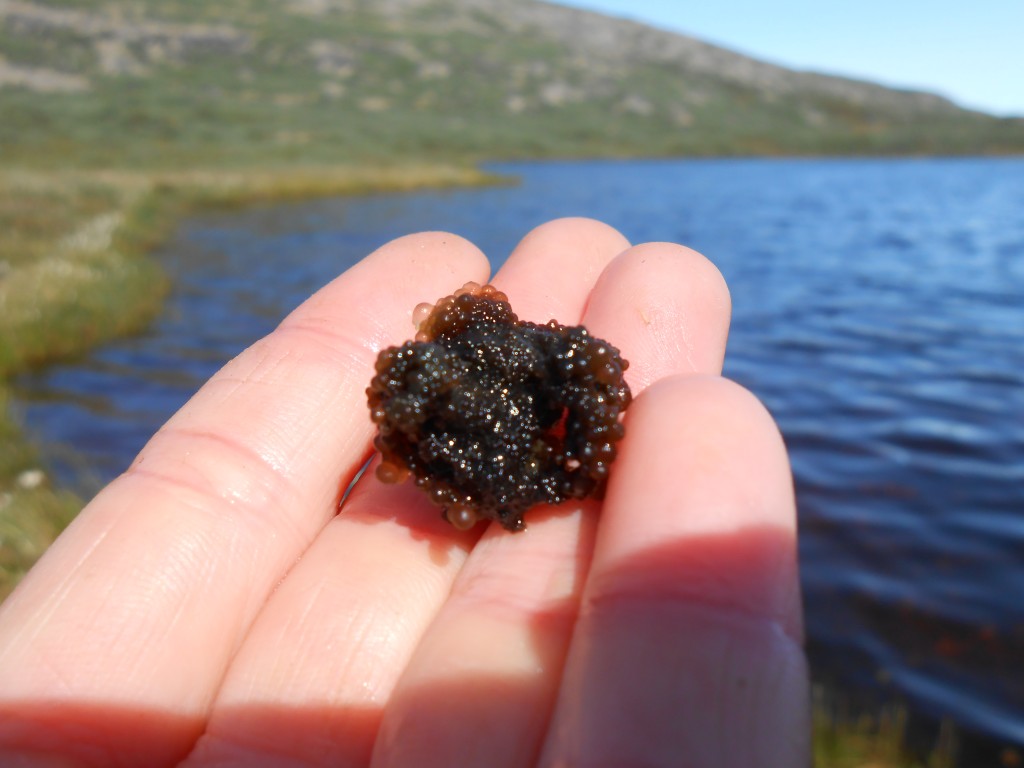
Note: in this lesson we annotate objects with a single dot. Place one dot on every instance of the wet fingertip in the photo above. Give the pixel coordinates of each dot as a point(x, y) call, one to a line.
point(666, 307)
point(706, 462)
point(552, 270)
point(435, 256)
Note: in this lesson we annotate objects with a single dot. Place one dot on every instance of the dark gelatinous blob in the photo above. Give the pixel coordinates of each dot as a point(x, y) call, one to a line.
point(492, 415)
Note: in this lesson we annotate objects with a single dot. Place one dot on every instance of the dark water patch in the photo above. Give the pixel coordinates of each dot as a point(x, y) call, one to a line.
point(878, 312)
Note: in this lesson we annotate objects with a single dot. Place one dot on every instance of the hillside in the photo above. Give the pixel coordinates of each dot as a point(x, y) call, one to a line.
point(160, 82)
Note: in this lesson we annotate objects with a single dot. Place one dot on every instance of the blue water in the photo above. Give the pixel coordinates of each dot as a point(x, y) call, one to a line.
point(878, 312)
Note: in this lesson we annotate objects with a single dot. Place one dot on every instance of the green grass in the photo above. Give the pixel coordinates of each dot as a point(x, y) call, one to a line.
point(271, 100)
point(68, 283)
point(32, 512)
point(848, 738)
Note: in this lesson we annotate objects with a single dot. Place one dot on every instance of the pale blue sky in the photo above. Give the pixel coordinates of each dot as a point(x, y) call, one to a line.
point(971, 51)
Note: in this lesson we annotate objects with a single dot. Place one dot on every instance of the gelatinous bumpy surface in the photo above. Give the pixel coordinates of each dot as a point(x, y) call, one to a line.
point(492, 415)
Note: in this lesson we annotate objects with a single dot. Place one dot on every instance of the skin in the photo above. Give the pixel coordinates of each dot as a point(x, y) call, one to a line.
point(213, 607)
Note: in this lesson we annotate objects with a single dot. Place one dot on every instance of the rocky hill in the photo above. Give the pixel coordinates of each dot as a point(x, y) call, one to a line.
point(167, 81)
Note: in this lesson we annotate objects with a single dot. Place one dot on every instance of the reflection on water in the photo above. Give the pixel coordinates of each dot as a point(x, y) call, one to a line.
point(878, 311)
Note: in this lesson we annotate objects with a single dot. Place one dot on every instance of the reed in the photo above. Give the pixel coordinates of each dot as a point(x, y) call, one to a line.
point(849, 736)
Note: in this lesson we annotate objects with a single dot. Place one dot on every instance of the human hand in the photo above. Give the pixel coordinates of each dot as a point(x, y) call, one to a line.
point(213, 607)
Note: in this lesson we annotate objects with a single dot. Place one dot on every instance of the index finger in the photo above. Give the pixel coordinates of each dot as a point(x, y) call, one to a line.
point(147, 595)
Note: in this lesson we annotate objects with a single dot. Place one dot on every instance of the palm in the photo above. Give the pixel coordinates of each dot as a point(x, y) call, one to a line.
point(211, 606)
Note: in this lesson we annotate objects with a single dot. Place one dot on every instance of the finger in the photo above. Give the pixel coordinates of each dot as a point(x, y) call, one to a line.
point(666, 308)
point(336, 635)
point(552, 271)
point(481, 685)
point(689, 631)
point(158, 579)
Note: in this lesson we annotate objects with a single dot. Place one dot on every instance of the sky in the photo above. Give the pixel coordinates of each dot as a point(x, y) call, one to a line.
point(971, 51)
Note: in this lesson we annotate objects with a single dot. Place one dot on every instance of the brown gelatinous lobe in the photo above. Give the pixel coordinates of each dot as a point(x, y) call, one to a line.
point(492, 415)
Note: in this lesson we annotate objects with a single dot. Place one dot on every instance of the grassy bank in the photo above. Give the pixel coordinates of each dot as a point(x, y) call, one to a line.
point(73, 245)
point(75, 272)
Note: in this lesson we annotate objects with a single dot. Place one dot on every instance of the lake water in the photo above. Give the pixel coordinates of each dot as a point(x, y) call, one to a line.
point(878, 312)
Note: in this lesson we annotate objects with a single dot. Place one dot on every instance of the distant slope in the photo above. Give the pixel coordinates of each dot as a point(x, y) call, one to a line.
point(169, 81)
